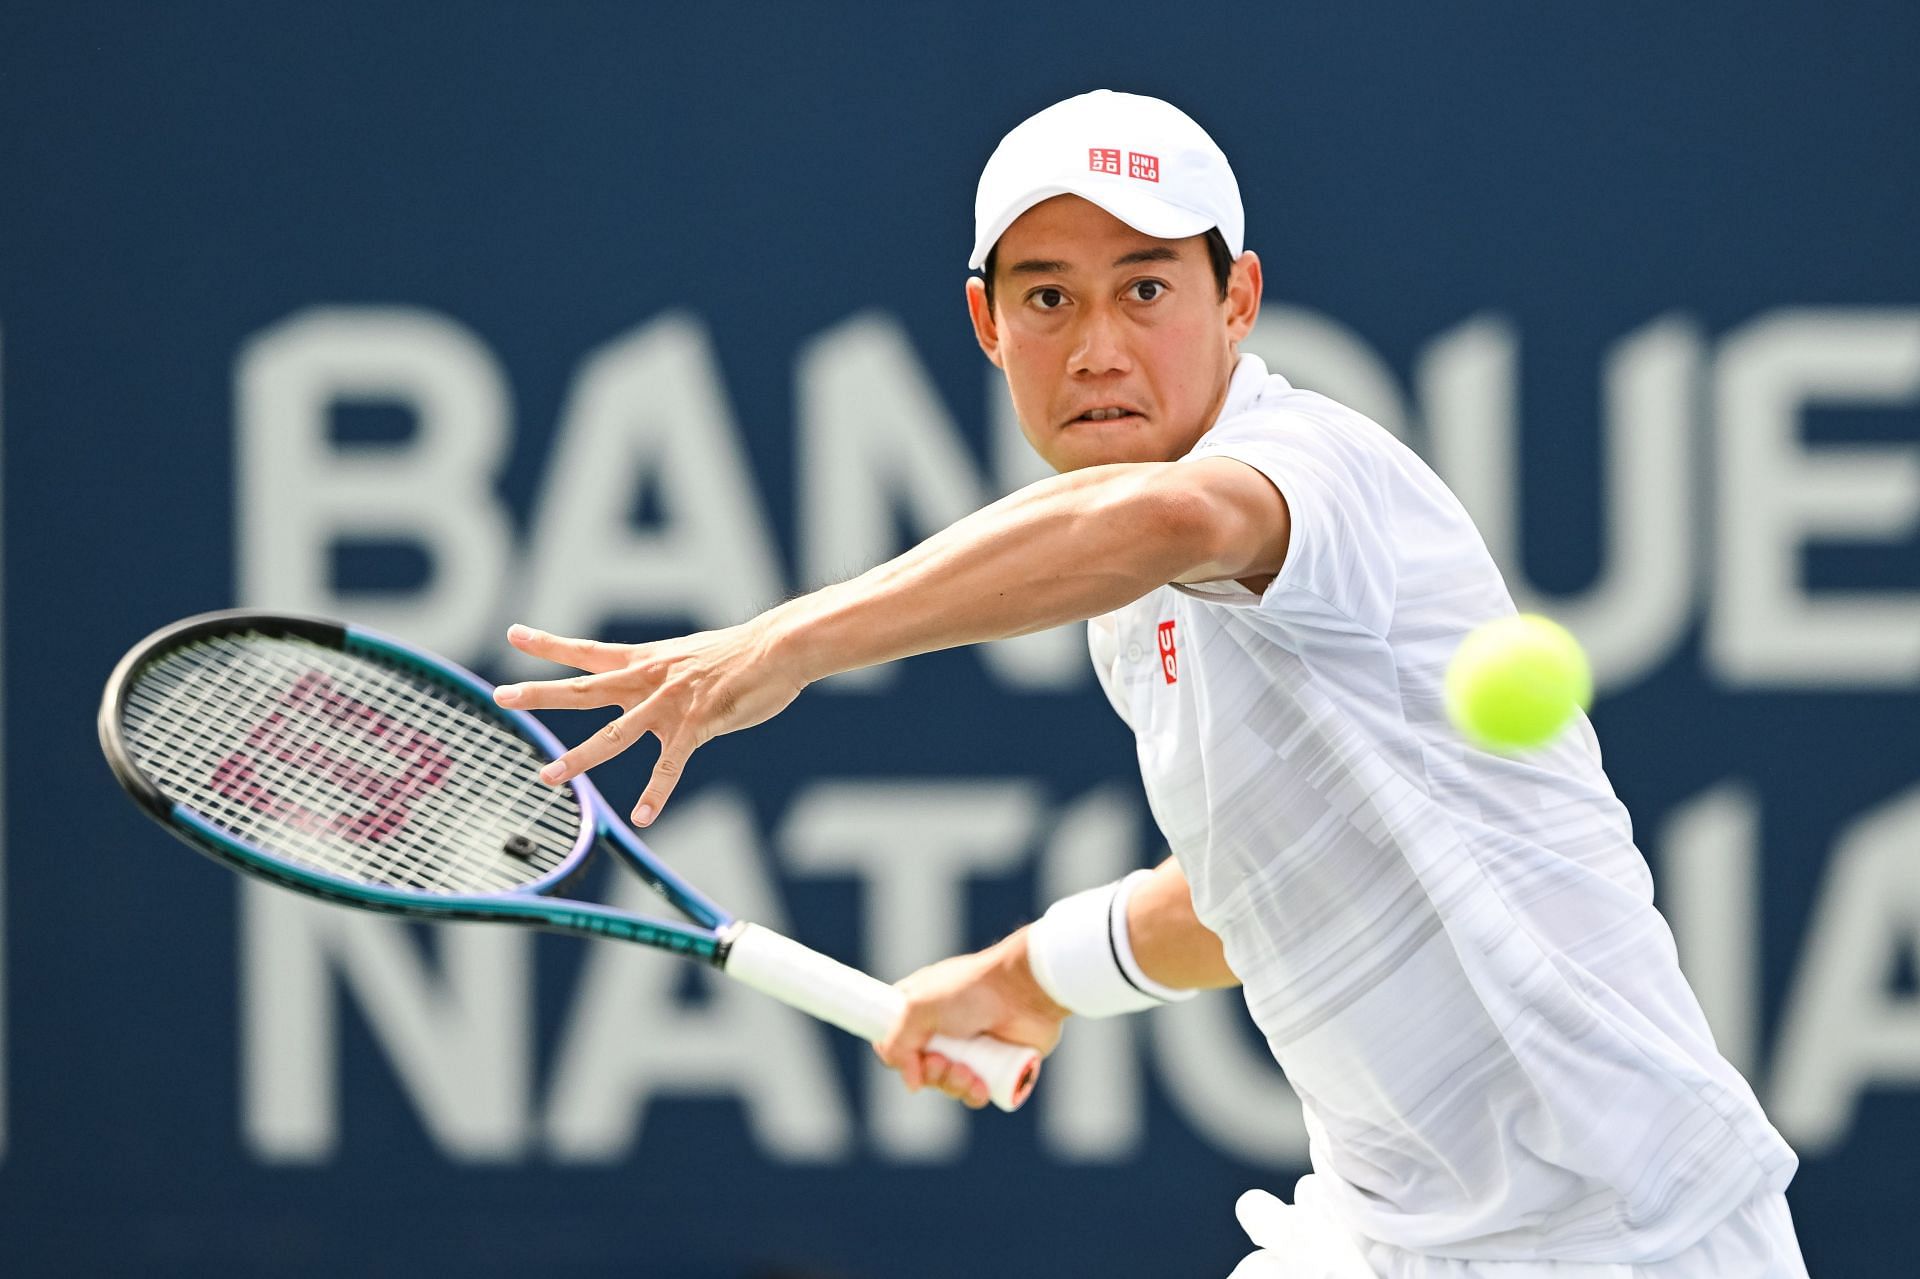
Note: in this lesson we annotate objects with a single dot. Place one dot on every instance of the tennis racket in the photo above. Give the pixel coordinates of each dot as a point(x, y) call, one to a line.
point(362, 771)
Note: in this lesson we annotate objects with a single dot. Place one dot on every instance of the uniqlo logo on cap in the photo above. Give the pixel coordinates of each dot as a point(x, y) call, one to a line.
point(1169, 658)
point(1144, 167)
point(1104, 160)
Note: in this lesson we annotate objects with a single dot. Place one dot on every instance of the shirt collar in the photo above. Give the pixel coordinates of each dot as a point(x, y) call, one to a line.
point(1249, 381)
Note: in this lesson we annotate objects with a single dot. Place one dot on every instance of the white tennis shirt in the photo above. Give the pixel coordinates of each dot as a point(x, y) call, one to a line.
point(1454, 955)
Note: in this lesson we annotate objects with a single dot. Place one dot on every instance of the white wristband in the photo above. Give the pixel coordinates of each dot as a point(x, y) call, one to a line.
point(1082, 956)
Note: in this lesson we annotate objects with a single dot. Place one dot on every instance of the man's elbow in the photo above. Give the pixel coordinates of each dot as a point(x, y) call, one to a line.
point(1214, 531)
point(1184, 527)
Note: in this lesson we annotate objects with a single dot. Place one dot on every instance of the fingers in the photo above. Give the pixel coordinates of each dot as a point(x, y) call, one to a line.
point(911, 1067)
point(581, 693)
point(901, 1049)
point(955, 1080)
point(931, 1070)
point(614, 737)
point(587, 655)
point(666, 775)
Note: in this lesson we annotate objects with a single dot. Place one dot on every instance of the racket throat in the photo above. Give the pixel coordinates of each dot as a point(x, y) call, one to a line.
point(724, 939)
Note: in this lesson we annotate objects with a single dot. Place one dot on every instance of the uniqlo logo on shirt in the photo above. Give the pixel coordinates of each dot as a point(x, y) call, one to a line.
point(1169, 658)
point(1144, 167)
point(1104, 160)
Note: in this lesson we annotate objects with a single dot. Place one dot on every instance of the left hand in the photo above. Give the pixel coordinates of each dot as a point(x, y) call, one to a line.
point(990, 992)
point(685, 691)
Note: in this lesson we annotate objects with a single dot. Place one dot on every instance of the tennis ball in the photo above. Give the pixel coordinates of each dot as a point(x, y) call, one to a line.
point(1514, 684)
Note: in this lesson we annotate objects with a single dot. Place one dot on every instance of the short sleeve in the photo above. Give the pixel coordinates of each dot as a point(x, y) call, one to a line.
point(1340, 551)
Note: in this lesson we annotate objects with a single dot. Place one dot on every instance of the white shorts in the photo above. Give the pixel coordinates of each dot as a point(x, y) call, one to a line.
point(1756, 1241)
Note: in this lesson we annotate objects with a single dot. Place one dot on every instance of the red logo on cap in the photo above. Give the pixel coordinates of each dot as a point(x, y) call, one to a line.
point(1169, 657)
point(1104, 160)
point(1144, 167)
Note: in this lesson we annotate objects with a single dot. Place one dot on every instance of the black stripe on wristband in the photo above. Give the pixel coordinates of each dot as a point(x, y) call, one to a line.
point(1113, 948)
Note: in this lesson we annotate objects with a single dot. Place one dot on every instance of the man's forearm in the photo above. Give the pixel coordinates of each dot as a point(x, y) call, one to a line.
point(1061, 550)
point(1169, 942)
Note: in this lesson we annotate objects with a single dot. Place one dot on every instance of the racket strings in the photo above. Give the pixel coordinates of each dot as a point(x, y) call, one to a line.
point(307, 792)
point(318, 770)
point(294, 797)
point(362, 769)
point(371, 852)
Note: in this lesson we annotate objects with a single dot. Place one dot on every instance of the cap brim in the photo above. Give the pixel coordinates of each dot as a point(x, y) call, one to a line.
point(1141, 210)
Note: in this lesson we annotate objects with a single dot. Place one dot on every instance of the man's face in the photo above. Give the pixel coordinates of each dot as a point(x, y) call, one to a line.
point(1117, 347)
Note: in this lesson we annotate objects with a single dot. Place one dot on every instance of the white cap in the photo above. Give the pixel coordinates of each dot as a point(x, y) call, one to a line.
point(1142, 160)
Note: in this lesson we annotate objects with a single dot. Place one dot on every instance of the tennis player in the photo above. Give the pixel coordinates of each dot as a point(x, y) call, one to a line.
point(1454, 955)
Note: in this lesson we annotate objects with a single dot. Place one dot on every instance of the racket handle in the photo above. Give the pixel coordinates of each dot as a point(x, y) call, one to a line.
point(866, 1006)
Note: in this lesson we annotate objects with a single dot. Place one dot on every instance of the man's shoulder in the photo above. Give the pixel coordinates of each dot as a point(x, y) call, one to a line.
point(1281, 413)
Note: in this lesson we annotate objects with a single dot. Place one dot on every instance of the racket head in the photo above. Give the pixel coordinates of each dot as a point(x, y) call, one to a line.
point(349, 766)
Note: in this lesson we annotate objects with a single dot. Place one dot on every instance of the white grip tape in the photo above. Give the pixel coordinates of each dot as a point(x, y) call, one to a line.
point(866, 1006)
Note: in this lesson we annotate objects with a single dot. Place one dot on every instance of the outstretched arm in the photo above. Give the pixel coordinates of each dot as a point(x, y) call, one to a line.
point(996, 992)
point(1064, 549)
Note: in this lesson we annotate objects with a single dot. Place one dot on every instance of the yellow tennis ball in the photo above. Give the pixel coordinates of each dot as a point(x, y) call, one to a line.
point(1514, 684)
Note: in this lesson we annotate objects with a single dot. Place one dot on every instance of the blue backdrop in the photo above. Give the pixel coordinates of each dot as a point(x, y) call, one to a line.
point(626, 318)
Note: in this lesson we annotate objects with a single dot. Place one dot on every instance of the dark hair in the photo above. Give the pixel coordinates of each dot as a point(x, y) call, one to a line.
point(1217, 257)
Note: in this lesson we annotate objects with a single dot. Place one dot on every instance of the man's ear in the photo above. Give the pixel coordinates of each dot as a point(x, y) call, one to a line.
point(1243, 295)
point(985, 330)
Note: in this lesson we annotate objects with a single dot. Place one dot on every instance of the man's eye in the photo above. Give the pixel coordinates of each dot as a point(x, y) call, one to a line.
point(1048, 299)
point(1146, 290)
